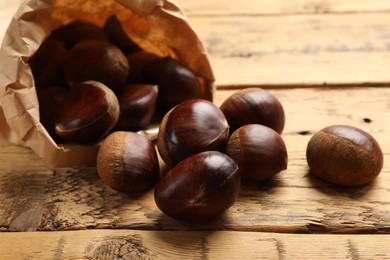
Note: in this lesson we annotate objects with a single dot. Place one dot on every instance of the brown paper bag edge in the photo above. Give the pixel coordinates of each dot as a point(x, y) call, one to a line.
point(18, 90)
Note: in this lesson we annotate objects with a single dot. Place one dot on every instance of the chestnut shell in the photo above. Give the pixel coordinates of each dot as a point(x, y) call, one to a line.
point(117, 35)
point(137, 62)
point(254, 106)
point(259, 151)
point(127, 162)
point(191, 127)
point(49, 100)
point(176, 82)
point(199, 188)
point(99, 61)
point(137, 106)
point(344, 155)
point(77, 31)
point(88, 112)
point(47, 64)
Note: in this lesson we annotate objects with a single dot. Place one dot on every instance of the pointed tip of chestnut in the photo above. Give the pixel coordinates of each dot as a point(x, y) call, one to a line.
point(191, 127)
point(259, 151)
point(254, 106)
point(344, 155)
point(199, 188)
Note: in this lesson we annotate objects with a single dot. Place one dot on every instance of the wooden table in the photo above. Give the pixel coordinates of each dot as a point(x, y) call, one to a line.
point(327, 61)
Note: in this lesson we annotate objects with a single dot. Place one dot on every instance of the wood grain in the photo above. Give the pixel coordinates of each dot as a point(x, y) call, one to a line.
point(128, 244)
point(35, 197)
point(280, 7)
point(297, 50)
point(337, 43)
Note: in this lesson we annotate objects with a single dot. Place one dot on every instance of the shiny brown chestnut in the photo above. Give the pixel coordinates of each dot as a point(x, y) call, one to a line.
point(77, 31)
point(49, 100)
point(259, 151)
point(137, 106)
point(87, 113)
point(127, 162)
point(191, 127)
point(175, 81)
point(254, 106)
point(137, 62)
point(344, 155)
point(99, 61)
point(199, 188)
point(47, 64)
point(117, 35)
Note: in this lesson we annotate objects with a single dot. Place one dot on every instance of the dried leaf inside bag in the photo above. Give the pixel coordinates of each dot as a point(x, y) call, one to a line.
point(157, 26)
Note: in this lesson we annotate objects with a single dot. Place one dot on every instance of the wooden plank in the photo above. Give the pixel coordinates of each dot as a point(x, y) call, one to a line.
point(295, 50)
point(280, 7)
point(300, 50)
point(35, 197)
point(128, 244)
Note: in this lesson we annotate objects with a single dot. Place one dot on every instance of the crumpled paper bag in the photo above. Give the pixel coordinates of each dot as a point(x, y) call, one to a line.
point(158, 26)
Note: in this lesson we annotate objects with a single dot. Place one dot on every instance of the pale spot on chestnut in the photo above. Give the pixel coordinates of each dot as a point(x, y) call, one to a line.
point(127, 162)
point(344, 155)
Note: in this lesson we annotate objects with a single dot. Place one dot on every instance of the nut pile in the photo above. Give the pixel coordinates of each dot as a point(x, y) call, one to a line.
point(94, 83)
point(207, 162)
point(91, 81)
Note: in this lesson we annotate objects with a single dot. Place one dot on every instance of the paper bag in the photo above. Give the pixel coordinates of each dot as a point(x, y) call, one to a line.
point(157, 26)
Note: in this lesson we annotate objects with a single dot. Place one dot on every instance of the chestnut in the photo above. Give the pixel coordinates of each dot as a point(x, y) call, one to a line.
point(137, 105)
point(199, 188)
point(175, 81)
point(344, 155)
point(127, 162)
point(47, 64)
point(191, 127)
point(49, 100)
point(99, 61)
point(88, 112)
point(77, 31)
point(116, 34)
point(258, 150)
point(253, 106)
point(137, 62)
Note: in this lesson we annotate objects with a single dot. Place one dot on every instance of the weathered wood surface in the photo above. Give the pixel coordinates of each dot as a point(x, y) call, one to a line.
point(304, 42)
point(127, 244)
point(319, 45)
point(297, 50)
point(280, 7)
point(295, 43)
point(34, 197)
